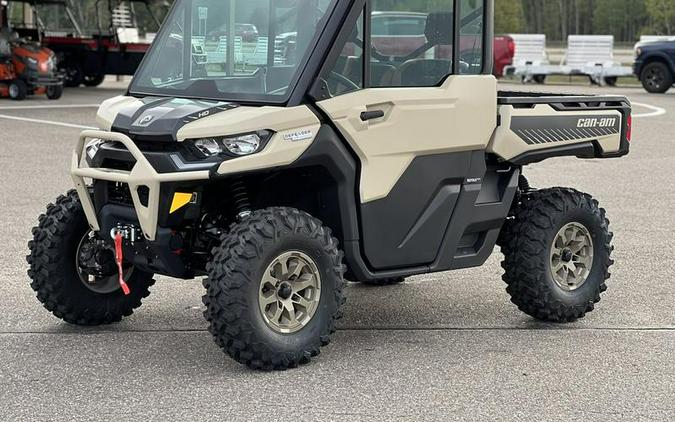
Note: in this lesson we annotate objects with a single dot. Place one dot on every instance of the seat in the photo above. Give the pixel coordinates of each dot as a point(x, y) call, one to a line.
point(382, 74)
point(6, 36)
point(428, 71)
point(422, 72)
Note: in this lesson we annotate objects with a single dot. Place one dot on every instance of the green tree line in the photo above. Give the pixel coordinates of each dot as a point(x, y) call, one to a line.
point(625, 19)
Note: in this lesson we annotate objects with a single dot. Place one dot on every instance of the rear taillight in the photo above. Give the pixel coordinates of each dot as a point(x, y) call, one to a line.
point(629, 127)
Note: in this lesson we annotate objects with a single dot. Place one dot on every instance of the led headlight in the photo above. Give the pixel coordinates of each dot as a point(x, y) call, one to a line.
point(208, 147)
point(243, 145)
point(239, 145)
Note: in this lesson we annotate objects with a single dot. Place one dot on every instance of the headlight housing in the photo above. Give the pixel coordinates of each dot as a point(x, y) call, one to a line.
point(93, 146)
point(233, 146)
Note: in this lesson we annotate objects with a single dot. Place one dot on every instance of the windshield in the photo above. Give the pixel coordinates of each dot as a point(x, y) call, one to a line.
point(246, 50)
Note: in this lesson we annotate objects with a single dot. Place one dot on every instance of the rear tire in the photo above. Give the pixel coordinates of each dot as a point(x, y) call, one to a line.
point(55, 278)
point(540, 79)
point(54, 92)
point(94, 80)
point(18, 90)
point(656, 78)
point(531, 243)
point(611, 80)
point(260, 312)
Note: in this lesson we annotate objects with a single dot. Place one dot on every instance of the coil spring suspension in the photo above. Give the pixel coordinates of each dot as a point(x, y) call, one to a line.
point(524, 184)
point(240, 198)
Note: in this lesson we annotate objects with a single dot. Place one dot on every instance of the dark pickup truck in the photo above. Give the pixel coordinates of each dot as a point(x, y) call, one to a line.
point(655, 65)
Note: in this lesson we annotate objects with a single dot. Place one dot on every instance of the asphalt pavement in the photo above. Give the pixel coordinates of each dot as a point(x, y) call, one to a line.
point(444, 346)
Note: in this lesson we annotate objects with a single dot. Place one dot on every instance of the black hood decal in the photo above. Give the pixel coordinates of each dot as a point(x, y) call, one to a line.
point(160, 118)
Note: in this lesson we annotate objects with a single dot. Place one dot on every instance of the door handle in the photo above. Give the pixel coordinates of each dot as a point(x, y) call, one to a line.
point(370, 115)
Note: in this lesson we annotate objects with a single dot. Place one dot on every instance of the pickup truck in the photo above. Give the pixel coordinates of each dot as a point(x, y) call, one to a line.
point(655, 65)
point(278, 183)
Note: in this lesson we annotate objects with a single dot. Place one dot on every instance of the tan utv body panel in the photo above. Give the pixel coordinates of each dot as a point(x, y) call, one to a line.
point(506, 144)
point(458, 116)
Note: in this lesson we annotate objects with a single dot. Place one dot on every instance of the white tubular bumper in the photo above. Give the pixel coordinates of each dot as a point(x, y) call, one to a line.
point(141, 175)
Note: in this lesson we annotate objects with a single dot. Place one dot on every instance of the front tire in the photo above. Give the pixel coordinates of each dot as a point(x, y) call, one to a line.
point(55, 277)
point(54, 92)
point(18, 90)
point(275, 289)
point(656, 78)
point(557, 251)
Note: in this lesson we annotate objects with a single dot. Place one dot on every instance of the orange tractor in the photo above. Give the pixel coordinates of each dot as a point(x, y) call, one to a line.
point(26, 68)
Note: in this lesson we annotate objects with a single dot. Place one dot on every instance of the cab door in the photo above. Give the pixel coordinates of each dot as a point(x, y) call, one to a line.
point(415, 122)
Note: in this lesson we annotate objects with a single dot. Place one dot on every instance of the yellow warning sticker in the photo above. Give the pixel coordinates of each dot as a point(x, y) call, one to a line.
point(179, 201)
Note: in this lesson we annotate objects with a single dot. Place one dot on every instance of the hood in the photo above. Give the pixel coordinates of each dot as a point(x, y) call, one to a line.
point(156, 118)
point(173, 119)
point(656, 44)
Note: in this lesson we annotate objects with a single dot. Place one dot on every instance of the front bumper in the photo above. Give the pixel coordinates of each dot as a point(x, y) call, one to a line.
point(41, 80)
point(142, 176)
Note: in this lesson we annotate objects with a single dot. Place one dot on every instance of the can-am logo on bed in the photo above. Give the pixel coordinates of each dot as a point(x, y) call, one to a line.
point(561, 128)
point(594, 122)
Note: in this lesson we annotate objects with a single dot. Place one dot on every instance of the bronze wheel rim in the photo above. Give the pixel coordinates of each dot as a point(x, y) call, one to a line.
point(289, 293)
point(571, 256)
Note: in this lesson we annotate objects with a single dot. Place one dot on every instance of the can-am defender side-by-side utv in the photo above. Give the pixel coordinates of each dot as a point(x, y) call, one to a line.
point(276, 178)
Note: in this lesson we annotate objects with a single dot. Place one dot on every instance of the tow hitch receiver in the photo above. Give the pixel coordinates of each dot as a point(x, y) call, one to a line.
point(119, 257)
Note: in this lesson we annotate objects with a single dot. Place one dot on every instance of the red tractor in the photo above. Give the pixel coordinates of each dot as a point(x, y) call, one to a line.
point(26, 68)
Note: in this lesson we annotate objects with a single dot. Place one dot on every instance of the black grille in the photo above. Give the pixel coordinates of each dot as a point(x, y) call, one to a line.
point(119, 193)
point(124, 165)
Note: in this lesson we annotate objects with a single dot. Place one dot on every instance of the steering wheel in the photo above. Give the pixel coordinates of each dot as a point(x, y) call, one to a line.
point(342, 80)
point(334, 76)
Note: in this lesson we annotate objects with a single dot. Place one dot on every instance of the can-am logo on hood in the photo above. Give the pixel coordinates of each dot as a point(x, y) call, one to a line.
point(144, 121)
point(162, 118)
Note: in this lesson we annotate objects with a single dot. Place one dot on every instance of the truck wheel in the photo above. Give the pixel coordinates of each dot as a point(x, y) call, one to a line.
point(557, 254)
point(384, 281)
point(74, 75)
point(274, 289)
point(65, 255)
point(656, 78)
point(94, 80)
point(54, 92)
point(18, 90)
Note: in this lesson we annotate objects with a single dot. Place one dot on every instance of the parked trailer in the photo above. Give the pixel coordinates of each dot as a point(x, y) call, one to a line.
point(114, 49)
point(593, 55)
point(588, 55)
point(530, 60)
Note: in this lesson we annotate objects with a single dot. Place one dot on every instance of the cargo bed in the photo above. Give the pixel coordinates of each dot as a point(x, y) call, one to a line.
point(535, 126)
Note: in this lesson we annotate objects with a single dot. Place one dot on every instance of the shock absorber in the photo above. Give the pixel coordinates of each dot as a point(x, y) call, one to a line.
point(240, 198)
point(524, 184)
